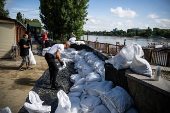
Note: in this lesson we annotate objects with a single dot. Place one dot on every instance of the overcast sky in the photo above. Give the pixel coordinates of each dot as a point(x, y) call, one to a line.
point(108, 14)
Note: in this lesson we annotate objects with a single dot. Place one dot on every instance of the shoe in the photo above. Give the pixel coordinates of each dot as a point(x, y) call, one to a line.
point(21, 69)
point(29, 68)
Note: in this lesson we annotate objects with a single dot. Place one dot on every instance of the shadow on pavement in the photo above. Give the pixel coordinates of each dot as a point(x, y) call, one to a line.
point(25, 81)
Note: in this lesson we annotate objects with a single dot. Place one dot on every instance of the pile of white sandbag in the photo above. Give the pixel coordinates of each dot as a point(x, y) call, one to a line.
point(73, 41)
point(130, 57)
point(90, 92)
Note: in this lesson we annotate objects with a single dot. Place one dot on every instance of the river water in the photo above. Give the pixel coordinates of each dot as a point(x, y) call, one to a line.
point(113, 39)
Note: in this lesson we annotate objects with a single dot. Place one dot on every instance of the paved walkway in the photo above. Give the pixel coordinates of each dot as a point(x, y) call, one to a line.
point(15, 85)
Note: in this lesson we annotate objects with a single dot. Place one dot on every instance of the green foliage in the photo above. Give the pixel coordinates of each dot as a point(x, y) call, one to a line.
point(26, 21)
point(3, 12)
point(131, 32)
point(19, 17)
point(63, 17)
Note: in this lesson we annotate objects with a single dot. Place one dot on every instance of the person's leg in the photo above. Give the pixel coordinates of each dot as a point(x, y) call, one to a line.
point(53, 68)
point(48, 57)
point(23, 62)
point(27, 63)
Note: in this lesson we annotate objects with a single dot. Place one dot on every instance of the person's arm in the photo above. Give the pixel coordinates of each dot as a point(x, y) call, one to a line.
point(58, 56)
point(25, 46)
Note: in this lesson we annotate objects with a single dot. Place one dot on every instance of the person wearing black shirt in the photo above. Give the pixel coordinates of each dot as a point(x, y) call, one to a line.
point(24, 52)
point(29, 41)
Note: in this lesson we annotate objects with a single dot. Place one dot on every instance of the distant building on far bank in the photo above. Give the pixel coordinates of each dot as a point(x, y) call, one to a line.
point(115, 29)
point(138, 29)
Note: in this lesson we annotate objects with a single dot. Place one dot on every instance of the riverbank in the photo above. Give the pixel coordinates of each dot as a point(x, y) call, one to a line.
point(15, 85)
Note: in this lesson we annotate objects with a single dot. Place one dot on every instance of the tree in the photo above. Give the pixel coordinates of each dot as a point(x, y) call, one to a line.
point(63, 17)
point(19, 17)
point(3, 12)
point(27, 21)
point(35, 20)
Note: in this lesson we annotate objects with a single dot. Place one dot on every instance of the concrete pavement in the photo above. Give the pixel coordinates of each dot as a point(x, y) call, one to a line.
point(15, 85)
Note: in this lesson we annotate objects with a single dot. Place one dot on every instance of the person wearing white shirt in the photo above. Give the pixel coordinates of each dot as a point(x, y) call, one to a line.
point(72, 35)
point(51, 54)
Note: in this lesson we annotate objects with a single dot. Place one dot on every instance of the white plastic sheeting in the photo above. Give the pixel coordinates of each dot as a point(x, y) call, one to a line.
point(36, 104)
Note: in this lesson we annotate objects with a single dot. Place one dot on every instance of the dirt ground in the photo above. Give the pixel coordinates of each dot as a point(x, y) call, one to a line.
point(15, 85)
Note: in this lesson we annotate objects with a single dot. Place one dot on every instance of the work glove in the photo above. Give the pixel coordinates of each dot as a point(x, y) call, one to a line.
point(61, 63)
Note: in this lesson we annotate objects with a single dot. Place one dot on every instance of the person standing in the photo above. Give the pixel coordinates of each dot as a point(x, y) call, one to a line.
point(44, 38)
point(72, 35)
point(24, 52)
point(51, 54)
point(29, 41)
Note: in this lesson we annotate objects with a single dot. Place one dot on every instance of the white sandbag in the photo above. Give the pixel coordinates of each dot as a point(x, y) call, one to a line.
point(80, 82)
point(93, 77)
point(72, 40)
point(100, 109)
point(141, 66)
point(86, 69)
point(82, 52)
point(74, 94)
point(104, 86)
point(5, 110)
point(120, 63)
point(79, 42)
point(64, 104)
point(83, 96)
point(75, 104)
point(97, 63)
point(36, 104)
point(116, 98)
point(88, 104)
point(131, 110)
point(75, 77)
point(128, 52)
point(124, 59)
point(77, 58)
point(101, 71)
point(88, 86)
point(77, 88)
point(36, 108)
point(31, 58)
point(34, 98)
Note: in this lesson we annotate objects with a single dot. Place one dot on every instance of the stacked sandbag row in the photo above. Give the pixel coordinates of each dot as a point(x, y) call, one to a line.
point(90, 92)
